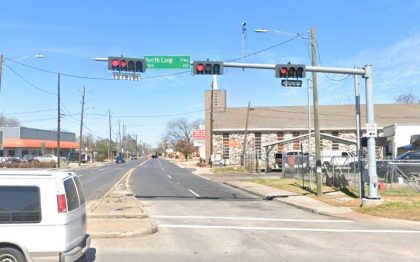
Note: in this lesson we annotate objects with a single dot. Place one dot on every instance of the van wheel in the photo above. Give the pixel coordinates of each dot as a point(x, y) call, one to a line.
point(8, 254)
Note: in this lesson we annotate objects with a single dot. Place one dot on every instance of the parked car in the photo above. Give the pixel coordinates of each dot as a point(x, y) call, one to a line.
point(46, 158)
point(74, 157)
point(338, 158)
point(42, 216)
point(409, 163)
point(278, 158)
point(28, 158)
point(133, 157)
point(120, 159)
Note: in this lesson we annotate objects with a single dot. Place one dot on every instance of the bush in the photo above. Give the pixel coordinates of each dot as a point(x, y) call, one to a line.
point(29, 165)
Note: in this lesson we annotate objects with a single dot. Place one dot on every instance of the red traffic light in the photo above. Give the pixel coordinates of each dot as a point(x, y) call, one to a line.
point(200, 67)
point(123, 63)
point(115, 62)
point(283, 71)
point(126, 64)
point(290, 71)
point(207, 67)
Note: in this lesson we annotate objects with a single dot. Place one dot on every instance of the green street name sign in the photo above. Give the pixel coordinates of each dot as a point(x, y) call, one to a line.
point(167, 62)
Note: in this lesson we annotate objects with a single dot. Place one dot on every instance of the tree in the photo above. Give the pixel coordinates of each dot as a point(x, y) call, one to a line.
point(9, 122)
point(407, 98)
point(179, 134)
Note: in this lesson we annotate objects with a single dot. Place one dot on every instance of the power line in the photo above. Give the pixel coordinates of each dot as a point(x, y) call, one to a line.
point(30, 112)
point(320, 63)
point(148, 77)
point(30, 83)
point(265, 49)
point(148, 116)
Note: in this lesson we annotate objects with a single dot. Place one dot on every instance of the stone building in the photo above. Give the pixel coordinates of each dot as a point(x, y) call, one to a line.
point(270, 124)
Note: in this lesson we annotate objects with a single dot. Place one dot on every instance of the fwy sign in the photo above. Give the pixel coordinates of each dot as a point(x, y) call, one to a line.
point(167, 62)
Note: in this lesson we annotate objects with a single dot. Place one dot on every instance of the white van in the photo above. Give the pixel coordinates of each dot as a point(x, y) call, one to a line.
point(337, 157)
point(42, 216)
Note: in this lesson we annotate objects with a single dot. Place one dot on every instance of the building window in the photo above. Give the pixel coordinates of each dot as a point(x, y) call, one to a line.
point(296, 144)
point(335, 145)
point(225, 145)
point(258, 144)
point(280, 137)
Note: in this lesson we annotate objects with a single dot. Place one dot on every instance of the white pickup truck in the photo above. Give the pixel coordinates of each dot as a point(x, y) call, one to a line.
point(337, 158)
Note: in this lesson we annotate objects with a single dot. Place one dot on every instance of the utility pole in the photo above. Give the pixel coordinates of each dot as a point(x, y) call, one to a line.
point(1, 67)
point(245, 135)
point(211, 125)
point(58, 122)
point(119, 134)
point(309, 134)
point(81, 127)
point(316, 116)
point(110, 136)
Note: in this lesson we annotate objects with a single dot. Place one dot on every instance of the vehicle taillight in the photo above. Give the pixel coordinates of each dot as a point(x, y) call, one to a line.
point(61, 203)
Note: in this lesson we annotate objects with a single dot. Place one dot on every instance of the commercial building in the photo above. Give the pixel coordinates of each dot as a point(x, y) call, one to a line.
point(21, 141)
point(268, 125)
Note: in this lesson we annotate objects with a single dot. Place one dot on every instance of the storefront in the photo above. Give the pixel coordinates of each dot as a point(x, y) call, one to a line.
point(21, 141)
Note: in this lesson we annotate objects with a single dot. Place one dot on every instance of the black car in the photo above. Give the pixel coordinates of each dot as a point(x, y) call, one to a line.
point(74, 157)
point(133, 157)
point(409, 163)
point(154, 156)
point(120, 159)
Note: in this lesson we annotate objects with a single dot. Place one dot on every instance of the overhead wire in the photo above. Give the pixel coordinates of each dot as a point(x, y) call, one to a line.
point(30, 83)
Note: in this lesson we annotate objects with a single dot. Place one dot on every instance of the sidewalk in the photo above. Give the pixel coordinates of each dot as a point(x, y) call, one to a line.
point(119, 214)
point(269, 193)
point(292, 199)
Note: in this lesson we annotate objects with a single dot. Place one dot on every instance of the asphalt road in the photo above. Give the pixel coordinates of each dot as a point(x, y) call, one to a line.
point(201, 220)
point(160, 179)
point(96, 181)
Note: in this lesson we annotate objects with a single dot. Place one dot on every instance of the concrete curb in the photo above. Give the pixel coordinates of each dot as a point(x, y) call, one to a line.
point(306, 208)
point(118, 214)
point(139, 231)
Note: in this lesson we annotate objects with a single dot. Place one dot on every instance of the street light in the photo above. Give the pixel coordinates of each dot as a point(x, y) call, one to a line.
point(10, 60)
point(291, 35)
point(15, 60)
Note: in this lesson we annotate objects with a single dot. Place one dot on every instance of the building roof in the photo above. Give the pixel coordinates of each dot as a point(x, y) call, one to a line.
point(332, 117)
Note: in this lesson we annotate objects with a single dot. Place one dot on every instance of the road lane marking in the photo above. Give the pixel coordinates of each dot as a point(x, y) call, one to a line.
point(194, 193)
point(169, 176)
point(257, 219)
point(293, 229)
point(206, 178)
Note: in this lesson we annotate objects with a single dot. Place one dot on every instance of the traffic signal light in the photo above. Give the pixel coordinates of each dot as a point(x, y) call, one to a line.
point(290, 71)
point(126, 64)
point(208, 67)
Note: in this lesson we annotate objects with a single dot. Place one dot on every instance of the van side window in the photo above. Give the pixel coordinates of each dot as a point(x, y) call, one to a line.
point(79, 190)
point(71, 194)
point(344, 154)
point(19, 204)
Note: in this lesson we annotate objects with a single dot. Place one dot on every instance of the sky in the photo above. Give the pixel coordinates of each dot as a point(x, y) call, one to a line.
point(385, 34)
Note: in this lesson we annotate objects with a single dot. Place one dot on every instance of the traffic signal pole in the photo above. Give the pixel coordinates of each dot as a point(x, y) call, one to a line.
point(366, 73)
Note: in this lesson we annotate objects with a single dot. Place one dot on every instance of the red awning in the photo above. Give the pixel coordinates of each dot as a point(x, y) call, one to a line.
point(34, 143)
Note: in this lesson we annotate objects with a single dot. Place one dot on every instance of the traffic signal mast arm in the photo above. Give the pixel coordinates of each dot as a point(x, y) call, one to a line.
point(319, 69)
